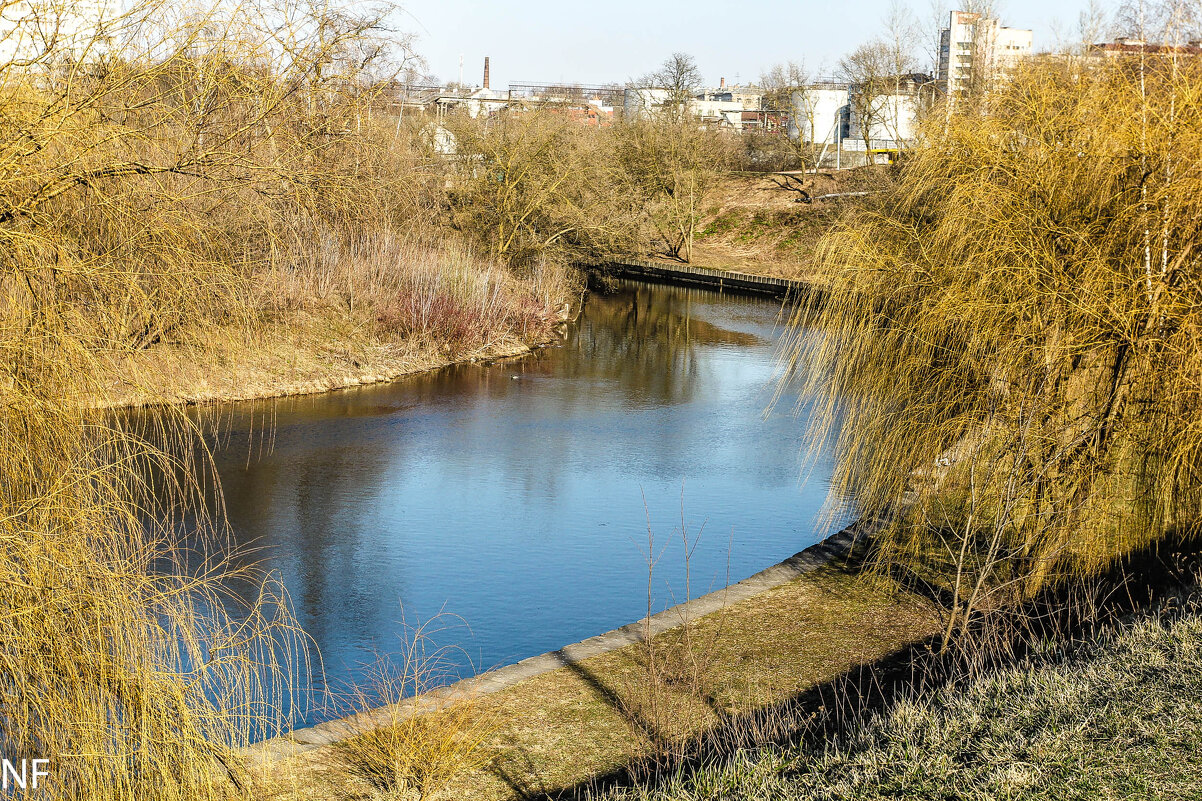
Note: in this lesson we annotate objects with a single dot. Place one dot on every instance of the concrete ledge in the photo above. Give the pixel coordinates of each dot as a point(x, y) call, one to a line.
point(721, 280)
point(299, 741)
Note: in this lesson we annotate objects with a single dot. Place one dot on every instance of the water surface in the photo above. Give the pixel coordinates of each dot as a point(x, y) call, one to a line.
point(518, 496)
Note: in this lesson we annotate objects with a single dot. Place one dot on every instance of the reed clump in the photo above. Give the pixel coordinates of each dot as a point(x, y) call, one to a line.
point(419, 737)
point(412, 287)
point(1009, 370)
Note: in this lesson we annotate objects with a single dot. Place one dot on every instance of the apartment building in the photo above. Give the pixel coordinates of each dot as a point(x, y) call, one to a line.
point(974, 47)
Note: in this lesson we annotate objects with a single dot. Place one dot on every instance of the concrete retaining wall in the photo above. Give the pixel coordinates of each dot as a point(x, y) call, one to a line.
point(722, 280)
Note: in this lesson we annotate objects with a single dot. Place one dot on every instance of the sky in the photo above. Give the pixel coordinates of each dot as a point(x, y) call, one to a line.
point(545, 41)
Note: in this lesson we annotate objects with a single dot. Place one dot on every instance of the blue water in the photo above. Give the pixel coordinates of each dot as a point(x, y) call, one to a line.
point(518, 496)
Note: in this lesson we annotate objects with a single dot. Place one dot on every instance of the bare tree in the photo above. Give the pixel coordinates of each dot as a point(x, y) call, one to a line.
point(902, 37)
point(787, 86)
point(1092, 23)
point(680, 78)
point(669, 167)
point(869, 71)
point(781, 81)
point(930, 32)
point(536, 181)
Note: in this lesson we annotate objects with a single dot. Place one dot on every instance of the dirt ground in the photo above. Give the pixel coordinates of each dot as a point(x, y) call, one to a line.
point(756, 223)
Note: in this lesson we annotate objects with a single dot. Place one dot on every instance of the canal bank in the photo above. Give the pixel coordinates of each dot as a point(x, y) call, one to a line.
point(763, 663)
point(834, 551)
point(352, 507)
point(226, 370)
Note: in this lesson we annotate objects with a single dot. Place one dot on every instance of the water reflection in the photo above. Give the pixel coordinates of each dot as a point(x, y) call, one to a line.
point(513, 494)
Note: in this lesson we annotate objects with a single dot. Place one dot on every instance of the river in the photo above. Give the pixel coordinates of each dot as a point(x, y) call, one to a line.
point(517, 497)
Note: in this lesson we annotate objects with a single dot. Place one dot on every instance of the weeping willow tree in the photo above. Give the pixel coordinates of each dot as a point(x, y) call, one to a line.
point(149, 164)
point(1011, 370)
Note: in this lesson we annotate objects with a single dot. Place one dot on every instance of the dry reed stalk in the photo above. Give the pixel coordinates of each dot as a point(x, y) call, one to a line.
point(667, 696)
point(415, 740)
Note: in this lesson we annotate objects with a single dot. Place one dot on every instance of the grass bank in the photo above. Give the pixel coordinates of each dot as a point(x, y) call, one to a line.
point(1118, 717)
point(754, 224)
point(558, 731)
point(343, 316)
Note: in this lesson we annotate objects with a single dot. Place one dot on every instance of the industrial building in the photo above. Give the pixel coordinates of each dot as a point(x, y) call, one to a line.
point(888, 121)
point(821, 112)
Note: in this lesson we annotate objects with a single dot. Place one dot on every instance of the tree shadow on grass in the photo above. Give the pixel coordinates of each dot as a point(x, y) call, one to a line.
point(807, 715)
point(1144, 582)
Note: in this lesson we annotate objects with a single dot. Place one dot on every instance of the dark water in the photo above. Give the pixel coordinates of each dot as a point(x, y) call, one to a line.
point(517, 496)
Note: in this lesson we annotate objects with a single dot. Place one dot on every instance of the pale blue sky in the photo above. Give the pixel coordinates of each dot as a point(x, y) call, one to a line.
point(613, 40)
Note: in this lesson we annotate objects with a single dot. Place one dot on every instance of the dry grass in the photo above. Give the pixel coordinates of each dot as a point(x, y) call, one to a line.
point(566, 727)
point(753, 225)
point(351, 315)
point(563, 728)
point(1116, 718)
point(414, 742)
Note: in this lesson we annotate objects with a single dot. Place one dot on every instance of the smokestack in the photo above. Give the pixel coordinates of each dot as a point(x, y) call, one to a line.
point(721, 83)
point(486, 72)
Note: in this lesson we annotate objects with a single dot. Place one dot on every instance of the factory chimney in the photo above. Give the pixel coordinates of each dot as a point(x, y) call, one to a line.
point(486, 72)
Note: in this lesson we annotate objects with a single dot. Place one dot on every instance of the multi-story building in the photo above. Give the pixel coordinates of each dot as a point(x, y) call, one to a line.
point(642, 101)
point(721, 108)
point(725, 106)
point(975, 47)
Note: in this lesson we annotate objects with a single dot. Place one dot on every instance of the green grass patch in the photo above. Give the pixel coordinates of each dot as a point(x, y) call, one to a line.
point(1117, 718)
